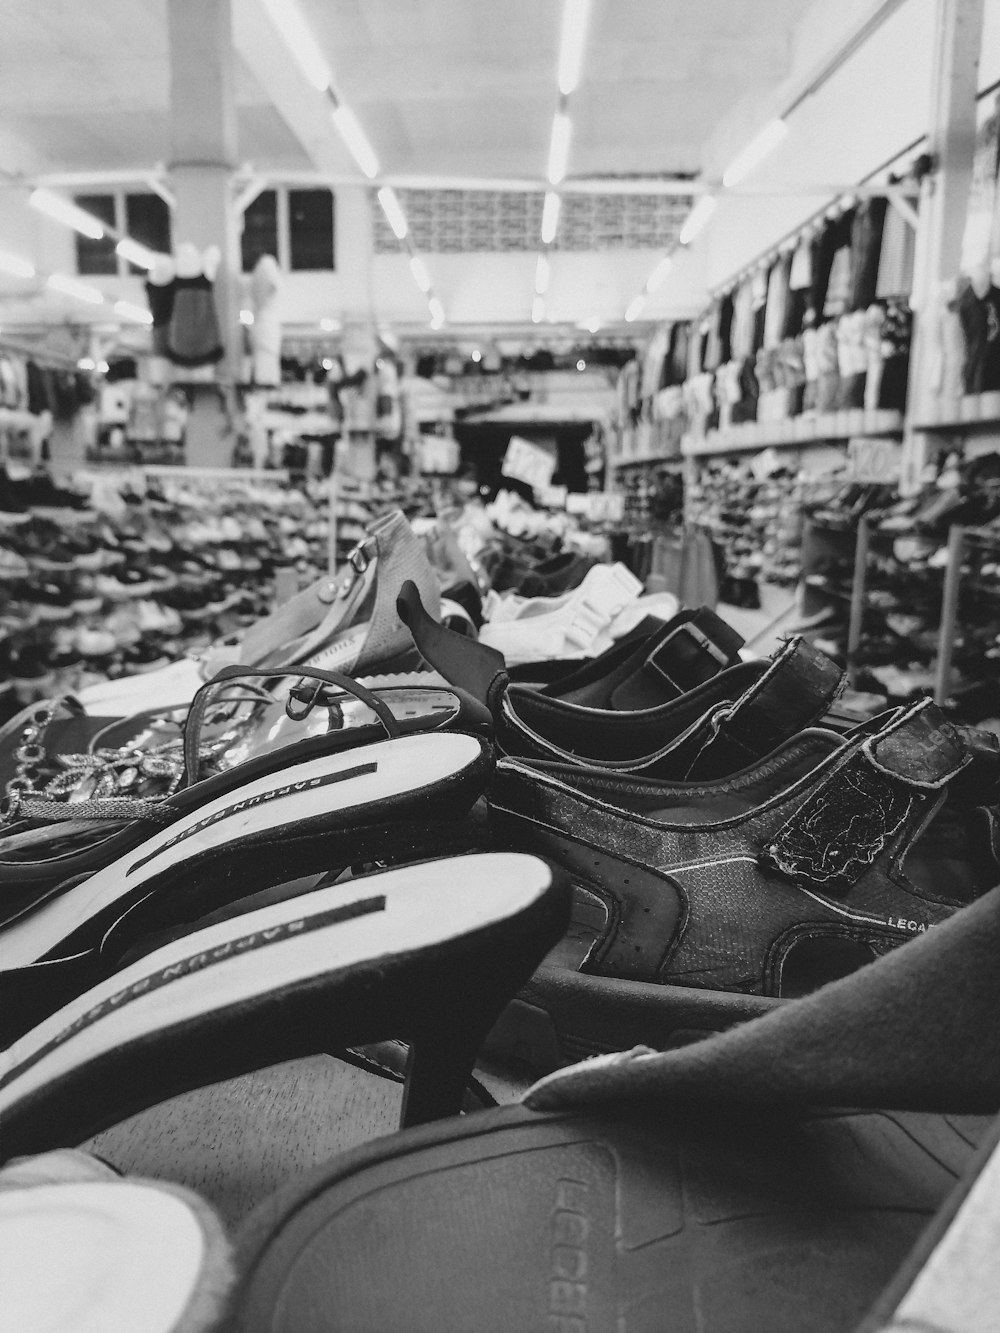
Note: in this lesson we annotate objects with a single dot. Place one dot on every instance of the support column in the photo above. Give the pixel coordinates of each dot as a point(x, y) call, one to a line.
point(203, 157)
point(355, 243)
point(944, 194)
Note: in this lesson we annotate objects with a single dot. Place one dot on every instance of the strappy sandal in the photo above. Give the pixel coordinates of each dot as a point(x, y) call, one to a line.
point(84, 790)
point(394, 799)
point(429, 953)
point(719, 1188)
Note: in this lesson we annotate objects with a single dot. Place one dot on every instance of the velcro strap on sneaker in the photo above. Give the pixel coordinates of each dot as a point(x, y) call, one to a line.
point(796, 690)
point(881, 790)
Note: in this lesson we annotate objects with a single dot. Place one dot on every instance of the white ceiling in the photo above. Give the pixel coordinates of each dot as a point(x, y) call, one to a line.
point(446, 90)
point(442, 86)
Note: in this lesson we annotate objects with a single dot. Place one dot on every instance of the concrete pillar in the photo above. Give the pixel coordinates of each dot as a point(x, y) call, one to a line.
point(203, 156)
point(944, 194)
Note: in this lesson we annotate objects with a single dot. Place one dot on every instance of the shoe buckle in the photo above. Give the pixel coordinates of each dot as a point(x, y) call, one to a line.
point(359, 561)
point(702, 642)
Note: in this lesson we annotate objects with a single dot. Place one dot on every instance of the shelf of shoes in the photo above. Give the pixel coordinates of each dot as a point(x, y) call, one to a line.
point(757, 524)
point(968, 662)
point(129, 572)
point(915, 609)
point(822, 428)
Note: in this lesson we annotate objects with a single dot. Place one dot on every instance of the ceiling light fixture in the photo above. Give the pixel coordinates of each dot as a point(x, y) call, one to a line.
point(537, 310)
point(571, 43)
point(754, 153)
point(437, 312)
point(562, 129)
point(634, 308)
point(354, 138)
point(135, 253)
point(550, 217)
point(15, 266)
point(329, 325)
point(658, 275)
point(542, 273)
point(62, 210)
point(592, 324)
point(287, 18)
point(420, 275)
point(393, 211)
point(135, 312)
point(697, 218)
point(246, 317)
point(82, 291)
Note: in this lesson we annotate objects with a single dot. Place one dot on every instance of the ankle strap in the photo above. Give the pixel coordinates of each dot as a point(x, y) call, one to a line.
point(880, 791)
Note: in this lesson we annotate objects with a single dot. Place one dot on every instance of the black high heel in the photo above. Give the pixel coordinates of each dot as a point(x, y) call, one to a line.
point(429, 953)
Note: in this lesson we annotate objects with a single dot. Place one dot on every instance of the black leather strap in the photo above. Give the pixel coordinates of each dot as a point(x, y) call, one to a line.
point(693, 647)
point(796, 690)
point(473, 667)
point(882, 787)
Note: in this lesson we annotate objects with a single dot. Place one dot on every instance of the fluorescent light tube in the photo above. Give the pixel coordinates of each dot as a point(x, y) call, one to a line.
point(135, 253)
point(354, 137)
point(659, 273)
point(697, 218)
point(537, 310)
point(754, 153)
point(420, 275)
point(437, 312)
point(542, 272)
point(393, 211)
point(129, 311)
point(562, 128)
point(634, 308)
point(66, 212)
point(571, 43)
point(550, 217)
point(15, 266)
point(287, 18)
point(70, 287)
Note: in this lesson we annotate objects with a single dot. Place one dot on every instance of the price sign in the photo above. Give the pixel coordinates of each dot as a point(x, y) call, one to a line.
point(552, 497)
point(875, 461)
point(528, 462)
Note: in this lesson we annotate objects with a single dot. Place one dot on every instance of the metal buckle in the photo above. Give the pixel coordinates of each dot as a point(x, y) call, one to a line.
point(701, 640)
point(359, 560)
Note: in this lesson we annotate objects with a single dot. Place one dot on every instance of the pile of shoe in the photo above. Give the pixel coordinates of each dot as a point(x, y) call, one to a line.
point(679, 842)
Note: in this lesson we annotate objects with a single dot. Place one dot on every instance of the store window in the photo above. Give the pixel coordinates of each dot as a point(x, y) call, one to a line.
point(147, 220)
point(310, 229)
point(260, 229)
point(97, 258)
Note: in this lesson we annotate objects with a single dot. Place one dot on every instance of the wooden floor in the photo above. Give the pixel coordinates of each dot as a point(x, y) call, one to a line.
point(236, 1142)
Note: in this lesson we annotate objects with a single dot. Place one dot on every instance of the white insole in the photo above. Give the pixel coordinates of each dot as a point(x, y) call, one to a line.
point(268, 950)
point(317, 787)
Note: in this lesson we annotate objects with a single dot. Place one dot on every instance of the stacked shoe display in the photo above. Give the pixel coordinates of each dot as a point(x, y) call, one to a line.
point(680, 842)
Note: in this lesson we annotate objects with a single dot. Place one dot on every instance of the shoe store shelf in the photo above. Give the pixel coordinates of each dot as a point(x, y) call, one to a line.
point(825, 428)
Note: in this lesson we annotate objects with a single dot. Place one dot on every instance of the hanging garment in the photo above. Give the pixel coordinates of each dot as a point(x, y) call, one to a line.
point(800, 273)
point(652, 362)
point(193, 337)
point(160, 295)
point(810, 363)
point(874, 321)
point(979, 215)
point(832, 238)
point(980, 316)
point(777, 301)
point(852, 359)
point(866, 246)
point(828, 367)
point(897, 333)
point(838, 291)
point(895, 265)
point(743, 320)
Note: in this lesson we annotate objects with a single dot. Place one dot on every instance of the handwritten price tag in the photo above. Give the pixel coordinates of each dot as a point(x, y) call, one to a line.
point(528, 462)
point(876, 461)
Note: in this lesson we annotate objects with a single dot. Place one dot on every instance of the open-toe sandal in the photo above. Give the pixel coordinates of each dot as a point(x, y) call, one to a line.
point(80, 791)
point(395, 799)
point(428, 953)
